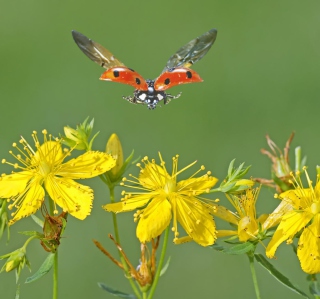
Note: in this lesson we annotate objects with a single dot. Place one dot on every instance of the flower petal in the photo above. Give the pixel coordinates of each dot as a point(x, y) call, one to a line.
point(72, 197)
point(195, 219)
point(154, 219)
point(49, 152)
point(309, 247)
point(14, 184)
point(152, 176)
point(30, 203)
point(198, 185)
point(285, 206)
point(226, 233)
point(88, 165)
point(130, 204)
point(290, 224)
point(224, 214)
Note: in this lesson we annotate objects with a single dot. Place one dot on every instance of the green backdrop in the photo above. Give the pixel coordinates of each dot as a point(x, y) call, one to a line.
point(261, 76)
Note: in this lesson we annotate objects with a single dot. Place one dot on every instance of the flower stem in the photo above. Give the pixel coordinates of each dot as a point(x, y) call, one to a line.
point(160, 264)
point(55, 261)
point(55, 276)
point(254, 276)
point(117, 238)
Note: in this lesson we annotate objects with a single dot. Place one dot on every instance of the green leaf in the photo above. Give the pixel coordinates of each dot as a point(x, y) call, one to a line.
point(115, 292)
point(165, 267)
point(237, 249)
point(277, 275)
point(44, 268)
point(37, 220)
point(32, 233)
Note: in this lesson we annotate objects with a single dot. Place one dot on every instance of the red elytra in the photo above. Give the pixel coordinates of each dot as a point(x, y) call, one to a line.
point(175, 77)
point(150, 92)
point(126, 76)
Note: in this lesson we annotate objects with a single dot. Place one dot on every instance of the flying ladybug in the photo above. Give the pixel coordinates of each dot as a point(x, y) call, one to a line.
point(150, 92)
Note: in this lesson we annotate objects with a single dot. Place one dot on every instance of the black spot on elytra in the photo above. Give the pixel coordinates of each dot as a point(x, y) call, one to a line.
point(138, 81)
point(116, 74)
point(189, 75)
point(167, 81)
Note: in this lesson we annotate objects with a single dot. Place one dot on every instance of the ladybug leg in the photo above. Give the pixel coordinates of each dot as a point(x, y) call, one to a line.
point(131, 99)
point(170, 97)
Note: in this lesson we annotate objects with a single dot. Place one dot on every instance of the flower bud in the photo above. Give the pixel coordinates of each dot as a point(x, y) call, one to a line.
point(114, 148)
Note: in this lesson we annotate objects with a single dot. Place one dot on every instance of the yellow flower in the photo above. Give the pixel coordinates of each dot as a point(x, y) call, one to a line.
point(245, 217)
point(165, 198)
point(304, 215)
point(44, 169)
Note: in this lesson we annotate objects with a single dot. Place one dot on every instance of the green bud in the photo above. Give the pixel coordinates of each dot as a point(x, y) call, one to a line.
point(114, 148)
point(79, 138)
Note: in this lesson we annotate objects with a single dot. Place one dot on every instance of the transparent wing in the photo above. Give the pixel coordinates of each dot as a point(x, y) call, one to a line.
point(95, 51)
point(193, 51)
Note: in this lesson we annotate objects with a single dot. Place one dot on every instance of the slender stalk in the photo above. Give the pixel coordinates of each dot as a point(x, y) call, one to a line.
point(55, 276)
point(117, 238)
point(254, 276)
point(144, 295)
point(161, 261)
point(55, 261)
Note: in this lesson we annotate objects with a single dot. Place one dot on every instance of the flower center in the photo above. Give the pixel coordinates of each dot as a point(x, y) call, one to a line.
point(170, 185)
point(44, 168)
point(315, 208)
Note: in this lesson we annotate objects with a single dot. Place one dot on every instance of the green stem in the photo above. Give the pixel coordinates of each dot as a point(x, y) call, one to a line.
point(314, 279)
point(144, 295)
point(55, 262)
point(254, 276)
point(55, 276)
point(117, 238)
point(161, 261)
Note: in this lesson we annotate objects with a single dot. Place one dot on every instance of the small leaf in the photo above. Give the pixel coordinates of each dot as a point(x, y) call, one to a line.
point(32, 233)
point(165, 267)
point(237, 249)
point(277, 275)
point(37, 220)
point(115, 292)
point(44, 268)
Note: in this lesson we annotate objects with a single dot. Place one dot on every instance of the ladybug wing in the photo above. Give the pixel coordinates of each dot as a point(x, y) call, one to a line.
point(193, 51)
point(95, 51)
point(176, 76)
point(116, 70)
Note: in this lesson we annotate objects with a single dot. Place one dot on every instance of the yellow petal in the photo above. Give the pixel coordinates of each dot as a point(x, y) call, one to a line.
point(196, 220)
point(199, 185)
point(30, 203)
point(291, 223)
point(247, 228)
point(226, 233)
point(72, 197)
point(224, 213)
point(152, 176)
point(285, 206)
point(309, 247)
point(13, 184)
point(130, 204)
point(49, 152)
point(155, 219)
point(88, 165)
point(300, 198)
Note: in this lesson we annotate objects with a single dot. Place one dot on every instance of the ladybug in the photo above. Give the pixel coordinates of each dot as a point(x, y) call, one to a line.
point(150, 92)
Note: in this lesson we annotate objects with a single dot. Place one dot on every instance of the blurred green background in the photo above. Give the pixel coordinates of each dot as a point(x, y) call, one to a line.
point(261, 76)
